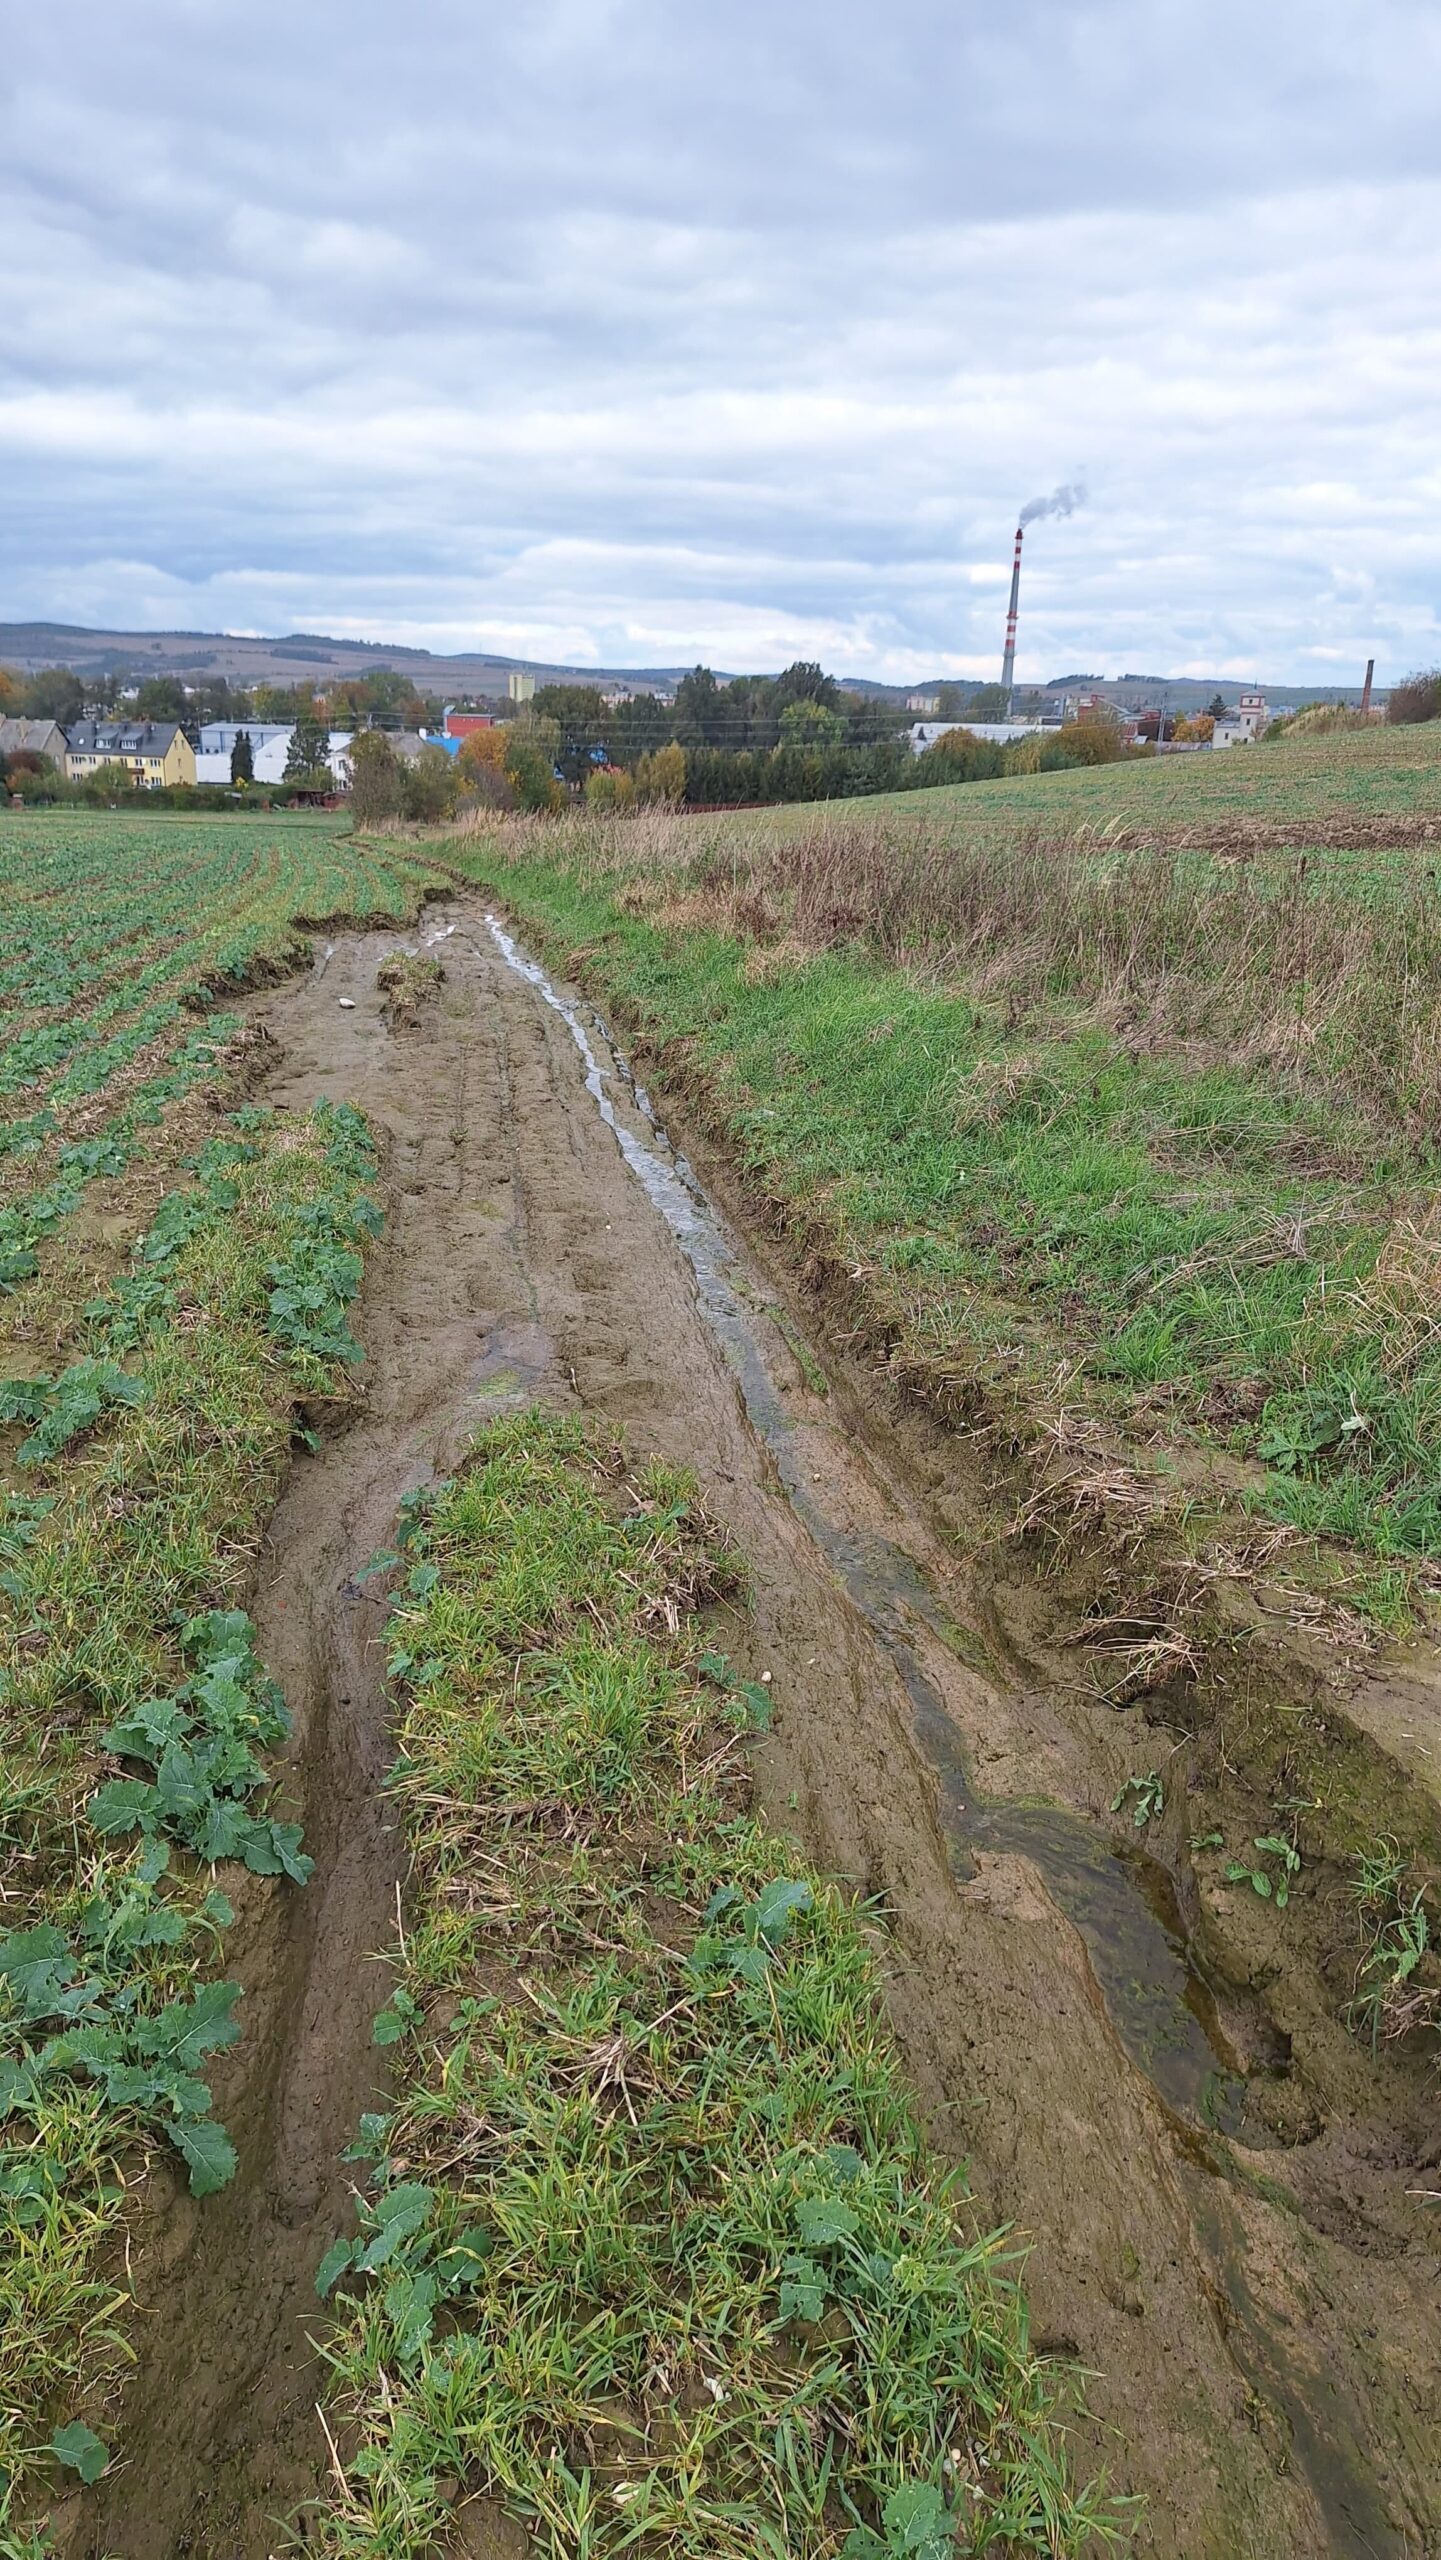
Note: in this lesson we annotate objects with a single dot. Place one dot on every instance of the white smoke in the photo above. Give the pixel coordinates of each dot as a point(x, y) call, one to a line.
point(1061, 502)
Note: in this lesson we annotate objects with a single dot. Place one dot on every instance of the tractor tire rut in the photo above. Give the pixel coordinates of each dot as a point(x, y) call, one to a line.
point(1251, 2370)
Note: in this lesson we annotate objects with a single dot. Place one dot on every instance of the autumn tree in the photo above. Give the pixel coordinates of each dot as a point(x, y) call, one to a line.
point(808, 722)
point(374, 779)
point(530, 753)
point(661, 776)
point(162, 698)
point(430, 787)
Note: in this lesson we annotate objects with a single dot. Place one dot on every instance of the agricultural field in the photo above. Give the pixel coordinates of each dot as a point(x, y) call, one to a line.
point(1300, 784)
point(1098, 1124)
point(731, 1850)
point(174, 1271)
point(1126, 1125)
point(196, 1827)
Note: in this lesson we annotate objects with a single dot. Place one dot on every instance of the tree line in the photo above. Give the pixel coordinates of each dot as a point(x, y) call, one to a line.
point(796, 736)
point(800, 735)
point(382, 698)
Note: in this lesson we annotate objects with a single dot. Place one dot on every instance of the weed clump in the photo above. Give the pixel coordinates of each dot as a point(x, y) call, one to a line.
point(408, 980)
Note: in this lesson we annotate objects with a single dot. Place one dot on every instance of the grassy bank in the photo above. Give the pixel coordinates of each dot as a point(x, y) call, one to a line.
point(1132, 1149)
point(139, 1468)
point(649, 2254)
point(1303, 784)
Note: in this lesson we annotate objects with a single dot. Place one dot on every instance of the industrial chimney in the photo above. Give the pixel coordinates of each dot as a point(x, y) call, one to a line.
point(1008, 663)
point(1366, 689)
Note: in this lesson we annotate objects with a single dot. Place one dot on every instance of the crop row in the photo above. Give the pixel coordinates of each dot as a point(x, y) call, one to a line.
point(197, 906)
point(135, 1720)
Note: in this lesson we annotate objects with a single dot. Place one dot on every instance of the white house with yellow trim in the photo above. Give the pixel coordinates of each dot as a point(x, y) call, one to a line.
point(157, 751)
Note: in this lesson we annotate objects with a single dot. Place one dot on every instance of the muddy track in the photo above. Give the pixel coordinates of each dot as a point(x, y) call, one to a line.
point(1266, 2382)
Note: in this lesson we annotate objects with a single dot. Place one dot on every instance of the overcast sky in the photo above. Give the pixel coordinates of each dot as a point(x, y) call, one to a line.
point(626, 331)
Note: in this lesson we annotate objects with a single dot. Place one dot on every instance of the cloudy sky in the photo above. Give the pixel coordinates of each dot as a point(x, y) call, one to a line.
point(625, 332)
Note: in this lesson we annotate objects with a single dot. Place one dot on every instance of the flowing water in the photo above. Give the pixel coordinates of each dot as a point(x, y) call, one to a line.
point(1124, 1907)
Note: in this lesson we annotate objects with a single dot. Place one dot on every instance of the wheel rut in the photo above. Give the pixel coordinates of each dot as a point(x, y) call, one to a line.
point(523, 1257)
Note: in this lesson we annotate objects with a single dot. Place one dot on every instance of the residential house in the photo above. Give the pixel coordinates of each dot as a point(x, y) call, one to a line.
point(35, 738)
point(157, 751)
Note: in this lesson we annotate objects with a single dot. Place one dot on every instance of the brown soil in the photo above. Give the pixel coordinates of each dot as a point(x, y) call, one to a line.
point(1259, 2312)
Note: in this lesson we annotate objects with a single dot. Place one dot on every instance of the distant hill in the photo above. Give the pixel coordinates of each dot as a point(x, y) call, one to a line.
point(245, 659)
point(1175, 693)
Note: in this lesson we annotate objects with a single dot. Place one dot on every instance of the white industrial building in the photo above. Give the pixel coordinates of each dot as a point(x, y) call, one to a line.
point(270, 745)
point(924, 733)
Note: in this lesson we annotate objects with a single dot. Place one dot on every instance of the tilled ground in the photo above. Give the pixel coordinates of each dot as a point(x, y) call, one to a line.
point(1265, 2370)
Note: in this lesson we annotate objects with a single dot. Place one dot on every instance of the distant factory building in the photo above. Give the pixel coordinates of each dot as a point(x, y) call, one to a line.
point(269, 747)
point(924, 733)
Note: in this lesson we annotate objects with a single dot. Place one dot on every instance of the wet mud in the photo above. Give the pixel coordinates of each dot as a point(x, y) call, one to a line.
point(1264, 2362)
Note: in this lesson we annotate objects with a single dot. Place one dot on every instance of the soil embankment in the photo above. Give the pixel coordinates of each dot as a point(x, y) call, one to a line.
point(1265, 2372)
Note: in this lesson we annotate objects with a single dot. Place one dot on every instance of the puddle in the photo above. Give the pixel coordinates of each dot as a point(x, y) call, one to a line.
point(1123, 1906)
point(511, 1370)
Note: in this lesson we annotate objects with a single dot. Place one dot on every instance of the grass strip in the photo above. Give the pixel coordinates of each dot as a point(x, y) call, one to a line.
point(650, 2252)
point(1048, 1201)
point(134, 1720)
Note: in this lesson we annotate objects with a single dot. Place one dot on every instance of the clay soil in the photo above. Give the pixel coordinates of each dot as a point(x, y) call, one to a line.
point(1257, 2309)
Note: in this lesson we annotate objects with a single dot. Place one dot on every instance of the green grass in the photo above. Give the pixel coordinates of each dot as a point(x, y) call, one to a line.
point(1370, 774)
point(133, 1726)
point(1044, 1214)
point(650, 2251)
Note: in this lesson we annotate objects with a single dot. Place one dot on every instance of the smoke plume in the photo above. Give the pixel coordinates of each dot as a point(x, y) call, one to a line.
point(1061, 502)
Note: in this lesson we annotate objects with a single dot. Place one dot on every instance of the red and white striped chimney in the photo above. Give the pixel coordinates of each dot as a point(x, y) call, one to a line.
point(1008, 663)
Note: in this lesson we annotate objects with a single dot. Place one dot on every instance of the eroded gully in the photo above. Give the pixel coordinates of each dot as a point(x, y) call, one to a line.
point(543, 1238)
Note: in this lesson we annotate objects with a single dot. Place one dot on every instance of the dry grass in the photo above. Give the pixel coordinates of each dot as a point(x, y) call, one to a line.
point(1323, 966)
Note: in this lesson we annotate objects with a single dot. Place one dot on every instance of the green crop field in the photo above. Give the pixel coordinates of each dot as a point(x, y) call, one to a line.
point(172, 1273)
point(115, 936)
point(1102, 1114)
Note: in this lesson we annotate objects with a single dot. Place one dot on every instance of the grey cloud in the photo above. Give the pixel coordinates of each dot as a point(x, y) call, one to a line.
point(742, 328)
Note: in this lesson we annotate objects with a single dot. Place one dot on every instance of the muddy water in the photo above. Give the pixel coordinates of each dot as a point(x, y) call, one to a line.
point(543, 1238)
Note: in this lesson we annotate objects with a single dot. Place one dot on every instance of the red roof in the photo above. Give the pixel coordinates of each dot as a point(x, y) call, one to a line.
point(459, 724)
